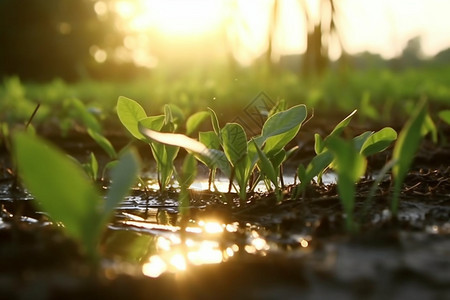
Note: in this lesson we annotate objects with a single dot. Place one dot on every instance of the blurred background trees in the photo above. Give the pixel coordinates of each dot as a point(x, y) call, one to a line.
point(122, 39)
point(44, 39)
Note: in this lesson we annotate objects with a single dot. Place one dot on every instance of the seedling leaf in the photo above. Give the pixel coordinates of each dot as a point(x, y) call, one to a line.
point(378, 141)
point(214, 121)
point(123, 176)
point(130, 113)
point(234, 142)
point(405, 149)
point(61, 188)
point(266, 166)
point(344, 123)
point(103, 142)
point(194, 121)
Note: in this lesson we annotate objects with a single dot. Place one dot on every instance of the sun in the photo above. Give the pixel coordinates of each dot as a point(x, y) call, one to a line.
point(174, 18)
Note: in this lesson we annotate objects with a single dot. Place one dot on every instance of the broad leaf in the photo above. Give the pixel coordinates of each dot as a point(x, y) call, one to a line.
point(378, 141)
point(61, 188)
point(359, 140)
point(234, 142)
point(130, 113)
point(153, 122)
point(194, 121)
point(209, 139)
point(282, 127)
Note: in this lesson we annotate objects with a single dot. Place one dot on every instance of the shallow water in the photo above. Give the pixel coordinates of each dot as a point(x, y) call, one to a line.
point(304, 241)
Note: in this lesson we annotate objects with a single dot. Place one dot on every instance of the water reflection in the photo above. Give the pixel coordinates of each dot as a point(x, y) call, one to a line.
point(202, 243)
point(171, 249)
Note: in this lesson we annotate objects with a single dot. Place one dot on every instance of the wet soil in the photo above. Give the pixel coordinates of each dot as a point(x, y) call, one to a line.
point(294, 249)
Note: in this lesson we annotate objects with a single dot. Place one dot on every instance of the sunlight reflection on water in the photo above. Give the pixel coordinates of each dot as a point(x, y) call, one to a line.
point(222, 184)
point(174, 255)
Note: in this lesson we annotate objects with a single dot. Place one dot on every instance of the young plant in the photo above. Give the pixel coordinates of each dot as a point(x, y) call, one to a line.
point(130, 114)
point(133, 116)
point(63, 190)
point(239, 156)
point(350, 166)
point(405, 149)
point(367, 144)
point(186, 177)
point(322, 160)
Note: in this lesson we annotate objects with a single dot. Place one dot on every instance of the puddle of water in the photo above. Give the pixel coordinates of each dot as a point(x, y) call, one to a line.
point(166, 248)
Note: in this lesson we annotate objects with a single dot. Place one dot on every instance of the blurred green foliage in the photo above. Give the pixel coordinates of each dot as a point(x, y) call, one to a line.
point(380, 95)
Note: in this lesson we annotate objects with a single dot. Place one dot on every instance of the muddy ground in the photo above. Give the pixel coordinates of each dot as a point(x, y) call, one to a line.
point(306, 253)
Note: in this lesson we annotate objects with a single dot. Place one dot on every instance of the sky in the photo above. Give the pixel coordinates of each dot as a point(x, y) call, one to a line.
point(200, 29)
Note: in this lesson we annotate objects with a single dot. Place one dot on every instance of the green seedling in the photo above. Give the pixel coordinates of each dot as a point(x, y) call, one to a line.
point(319, 145)
point(130, 114)
point(405, 149)
point(239, 156)
point(133, 116)
point(63, 190)
point(367, 144)
point(278, 130)
point(186, 177)
point(321, 161)
point(350, 166)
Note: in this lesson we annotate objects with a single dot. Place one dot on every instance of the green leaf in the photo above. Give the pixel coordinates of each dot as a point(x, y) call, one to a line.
point(210, 157)
point(405, 149)
point(214, 121)
point(445, 116)
point(93, 166)
point(123, 176)
point(153, 122)
point(359, 140)
point(188, 171)
point(266, 166)
point(318, 143)
point(350, 166)
point(278, 107)
point(234, 142)
point(350, 163)
point(340, 127)
point(278, 159)
point(104, 143)
point(378, 141)
point(61, 188)
point(80, 111)
point(130, 113)
point(209, 139)
point(318, 164)
point(194, 121)
point(110, 165)
point(282, 127)
point(176, 114)
point(429, 127)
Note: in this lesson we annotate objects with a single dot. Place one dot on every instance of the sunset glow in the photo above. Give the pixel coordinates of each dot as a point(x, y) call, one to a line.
point(211, 29)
